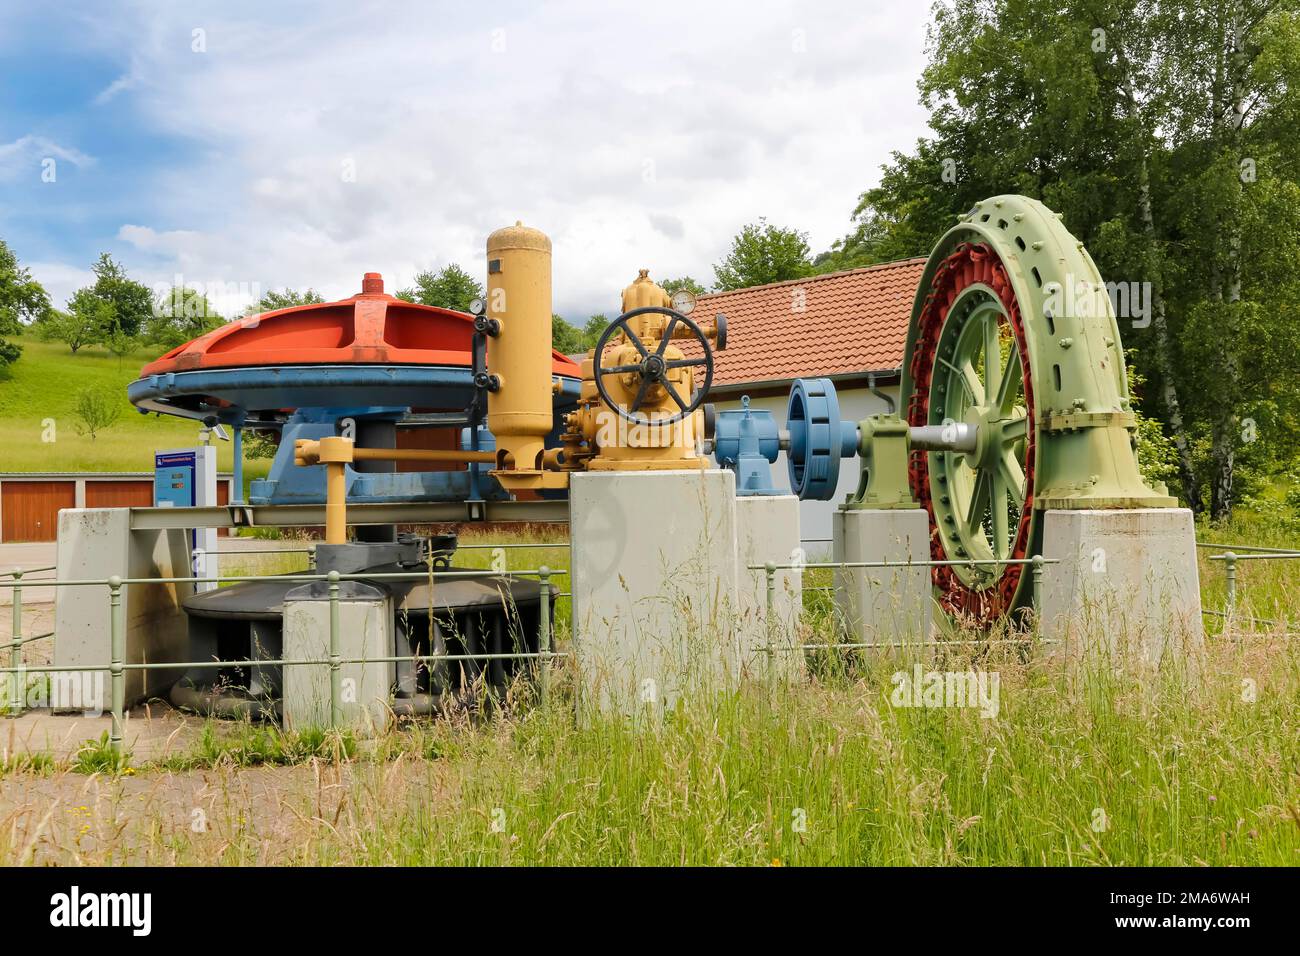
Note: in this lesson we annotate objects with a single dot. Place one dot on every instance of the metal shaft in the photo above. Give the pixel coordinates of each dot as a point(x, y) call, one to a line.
point(955, 436)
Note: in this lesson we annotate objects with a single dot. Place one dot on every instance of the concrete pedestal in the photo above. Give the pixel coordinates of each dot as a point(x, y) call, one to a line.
point(96, 543)
point(883, 605)
point(365, 617)
point(767, 530)
point(654, 586)
point(1127, 581)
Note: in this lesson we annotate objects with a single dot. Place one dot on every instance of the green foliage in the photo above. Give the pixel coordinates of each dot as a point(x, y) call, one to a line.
point(571, 341)
point(84, 323)
point(260, 444)
point(763, 253)
point(284, 299)
point(97, 756)
point(132, 301)
point(1173, 152)
point(22, 300)
point(48, 379)
point(181, 314)
point(1156, 454)
point(35, 764)
point(97, 408)
point(247, 744)
point(451, 287)
point(685, 282)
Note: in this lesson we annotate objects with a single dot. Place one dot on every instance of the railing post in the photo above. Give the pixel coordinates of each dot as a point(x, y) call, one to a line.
point(1230, 567)
point(769, 571)
point(17, 680)
point(1037, 572)
point(336, 675)
point(117, 652)
point(544, 634)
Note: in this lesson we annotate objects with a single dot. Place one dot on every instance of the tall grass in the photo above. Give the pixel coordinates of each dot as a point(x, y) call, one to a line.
point(1107, 762)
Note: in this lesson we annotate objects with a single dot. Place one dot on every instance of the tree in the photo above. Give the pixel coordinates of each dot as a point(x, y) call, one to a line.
point(132, 301)
point(451, 287)
point(592, 331)
point(179, 315)
point(22, 300)
point(86, 321)
point(1168, 137)
point(685, 282)
point(565, 339)
point(120, 344)
point(96, 408)
point(285, 299)
point(763, 253)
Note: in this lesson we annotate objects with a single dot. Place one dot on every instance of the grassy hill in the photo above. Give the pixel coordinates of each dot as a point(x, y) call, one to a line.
point(43, 384)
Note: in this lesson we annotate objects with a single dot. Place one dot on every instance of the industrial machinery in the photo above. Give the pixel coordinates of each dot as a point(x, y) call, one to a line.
point(372, 400)
point(1015, 401)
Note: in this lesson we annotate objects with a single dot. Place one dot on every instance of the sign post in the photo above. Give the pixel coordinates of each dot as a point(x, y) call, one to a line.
point(187, 478)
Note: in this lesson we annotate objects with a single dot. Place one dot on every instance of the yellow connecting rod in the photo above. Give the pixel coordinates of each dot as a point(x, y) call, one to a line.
point(335, 453)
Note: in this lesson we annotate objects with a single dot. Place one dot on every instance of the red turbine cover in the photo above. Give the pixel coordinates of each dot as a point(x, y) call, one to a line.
point(371, 328)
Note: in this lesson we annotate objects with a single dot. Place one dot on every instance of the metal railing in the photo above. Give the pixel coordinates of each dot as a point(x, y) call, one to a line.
point(118, 666)
point(1231, 558)
point(1038, 564)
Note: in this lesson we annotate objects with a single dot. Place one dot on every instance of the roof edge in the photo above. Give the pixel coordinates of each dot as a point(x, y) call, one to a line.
point(818, 277)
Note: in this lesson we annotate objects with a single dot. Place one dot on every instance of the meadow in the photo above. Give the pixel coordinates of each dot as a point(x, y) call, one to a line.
point(1104, 764)
point(40, 390)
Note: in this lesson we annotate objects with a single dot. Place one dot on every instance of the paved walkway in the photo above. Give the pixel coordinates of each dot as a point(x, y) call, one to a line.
point(150, 732)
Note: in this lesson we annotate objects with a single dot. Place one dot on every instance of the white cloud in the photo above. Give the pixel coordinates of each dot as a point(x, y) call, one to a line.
point(24, 156)
point(60, 280)
point(635, 135)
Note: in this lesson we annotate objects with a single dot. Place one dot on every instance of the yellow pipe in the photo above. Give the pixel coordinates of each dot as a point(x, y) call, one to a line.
point(421, 454)
point(309, 452)
point(336, 504)
point(335, 453)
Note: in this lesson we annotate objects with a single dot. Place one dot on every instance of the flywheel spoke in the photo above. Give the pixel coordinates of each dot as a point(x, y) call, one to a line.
point(1014, 430)
point(979, 502)
point(998, 507)
point(1013, 379)
point(992, 358)
point(971, 379)
point(1014, 476)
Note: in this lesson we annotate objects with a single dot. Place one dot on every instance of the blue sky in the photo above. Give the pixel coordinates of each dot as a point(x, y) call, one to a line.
point(258, 145)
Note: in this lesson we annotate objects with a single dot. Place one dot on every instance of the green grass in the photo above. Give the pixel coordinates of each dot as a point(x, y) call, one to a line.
point(43, 384)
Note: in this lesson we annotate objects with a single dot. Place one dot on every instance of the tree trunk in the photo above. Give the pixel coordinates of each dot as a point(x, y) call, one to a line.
point(1223, 451)
point(1164, 348)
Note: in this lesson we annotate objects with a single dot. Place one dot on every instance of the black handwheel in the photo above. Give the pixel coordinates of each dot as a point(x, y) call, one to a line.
point(653, 367)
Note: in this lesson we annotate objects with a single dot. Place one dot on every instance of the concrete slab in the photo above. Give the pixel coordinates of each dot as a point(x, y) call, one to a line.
point(767, 529)
point(95, 543)
point(149, 732)
point(654, 586)
point(884, 605)
point(1127, 581)
point(366, 688)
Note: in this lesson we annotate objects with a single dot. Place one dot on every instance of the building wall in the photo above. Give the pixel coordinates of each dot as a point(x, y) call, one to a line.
point(815, 516)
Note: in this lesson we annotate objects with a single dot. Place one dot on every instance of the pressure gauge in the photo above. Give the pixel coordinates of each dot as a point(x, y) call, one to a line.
point(684, 301)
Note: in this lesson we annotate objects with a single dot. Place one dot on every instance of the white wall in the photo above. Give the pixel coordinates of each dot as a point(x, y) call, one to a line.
point(815, 516)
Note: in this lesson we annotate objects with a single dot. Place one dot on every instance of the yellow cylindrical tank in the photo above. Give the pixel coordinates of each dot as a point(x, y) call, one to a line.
point(519, 296)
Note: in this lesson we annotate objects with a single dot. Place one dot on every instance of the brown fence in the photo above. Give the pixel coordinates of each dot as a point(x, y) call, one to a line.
point(30, 504)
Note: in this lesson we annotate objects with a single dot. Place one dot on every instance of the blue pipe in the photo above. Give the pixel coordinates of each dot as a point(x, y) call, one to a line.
point(238, 497)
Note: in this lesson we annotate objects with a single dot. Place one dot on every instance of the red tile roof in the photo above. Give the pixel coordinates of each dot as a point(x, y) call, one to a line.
point(841, 322)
